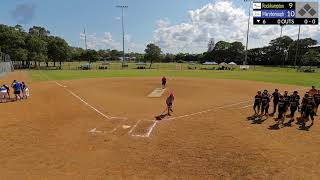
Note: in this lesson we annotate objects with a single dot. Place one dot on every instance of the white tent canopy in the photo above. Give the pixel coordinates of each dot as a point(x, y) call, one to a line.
point(209, 63)
point(232, 63)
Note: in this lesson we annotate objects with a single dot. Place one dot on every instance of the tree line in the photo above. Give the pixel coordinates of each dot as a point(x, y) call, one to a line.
point(37, 45)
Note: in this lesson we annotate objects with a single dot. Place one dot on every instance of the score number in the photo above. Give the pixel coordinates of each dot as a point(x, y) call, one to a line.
point(290, 5)
point(291, 14)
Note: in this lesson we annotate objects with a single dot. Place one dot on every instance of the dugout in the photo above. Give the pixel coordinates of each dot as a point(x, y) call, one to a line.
point(192, 66)
point(208, 65)
point(141, 65)
point(85, 67)
point(104, 65)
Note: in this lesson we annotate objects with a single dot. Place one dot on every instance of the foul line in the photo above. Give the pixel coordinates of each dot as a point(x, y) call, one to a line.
point(87, 104)
point(208, 110)
point(83, 101)
point(150, 130)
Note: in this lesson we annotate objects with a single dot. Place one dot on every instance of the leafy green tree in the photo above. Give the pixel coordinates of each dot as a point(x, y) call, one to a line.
point(12, 42)
point(91, 56)
point(39, 31)
point(76, 53)
point(115, 54)
point(221, 45)
point(19, 28)
point(278, 47)
point(169, 58)
point(311, 58)
point(37, 49)
point(152, 53)
point(236, 51)
point(303, 47)
point(58, 50)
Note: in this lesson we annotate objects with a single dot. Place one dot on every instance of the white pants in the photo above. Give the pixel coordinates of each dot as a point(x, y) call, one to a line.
point(3, 94)
point(26, 92)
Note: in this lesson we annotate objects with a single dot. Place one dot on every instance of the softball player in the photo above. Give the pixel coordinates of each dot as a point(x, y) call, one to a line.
point(3, 94)
point(257, 103)
point(169, 103)
point(265, 103)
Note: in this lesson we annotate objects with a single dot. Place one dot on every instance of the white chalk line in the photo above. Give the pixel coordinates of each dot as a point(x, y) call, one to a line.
point(245, 106)
point(134, 127)
point(60, 84)
point(208, 110)
point(94, 130)
point(147, 134)
point(151, 128)
point(87, 104)
point(83, 101)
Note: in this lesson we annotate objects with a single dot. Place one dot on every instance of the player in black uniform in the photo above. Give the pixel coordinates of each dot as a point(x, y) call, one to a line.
point(265, 103)
point(281, 110)
point(286, 98)
point(275, 97)
point(294, 104)
point(257, 103)
point(304, 103)
point(309, 111)
point(316, 98)
point(8, 90)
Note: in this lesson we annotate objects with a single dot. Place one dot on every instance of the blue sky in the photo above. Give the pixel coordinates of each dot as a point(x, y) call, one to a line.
point(167, 23)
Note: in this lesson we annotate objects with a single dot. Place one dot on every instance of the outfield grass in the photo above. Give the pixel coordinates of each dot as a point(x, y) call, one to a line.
point(282, 77)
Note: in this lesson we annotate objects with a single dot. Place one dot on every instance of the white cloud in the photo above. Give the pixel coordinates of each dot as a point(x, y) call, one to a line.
point(221, 20)
point(106, 41)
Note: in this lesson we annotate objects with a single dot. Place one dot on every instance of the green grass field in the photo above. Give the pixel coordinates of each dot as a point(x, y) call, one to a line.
point(272, 75)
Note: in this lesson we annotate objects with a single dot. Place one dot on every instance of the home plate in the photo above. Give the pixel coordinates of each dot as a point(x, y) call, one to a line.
point(157, 92)
point(126, 127)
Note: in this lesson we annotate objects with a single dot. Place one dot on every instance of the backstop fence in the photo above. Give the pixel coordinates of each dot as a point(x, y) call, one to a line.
point(5, 64)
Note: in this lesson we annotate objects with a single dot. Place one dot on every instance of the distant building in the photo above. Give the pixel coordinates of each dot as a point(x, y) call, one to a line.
point(128, 58)
point(315, 47)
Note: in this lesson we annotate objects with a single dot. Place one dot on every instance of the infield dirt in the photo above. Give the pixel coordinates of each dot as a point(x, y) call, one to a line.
point(47, 136)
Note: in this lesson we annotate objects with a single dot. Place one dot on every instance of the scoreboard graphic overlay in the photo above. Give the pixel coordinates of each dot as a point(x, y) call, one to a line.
point(286, 13)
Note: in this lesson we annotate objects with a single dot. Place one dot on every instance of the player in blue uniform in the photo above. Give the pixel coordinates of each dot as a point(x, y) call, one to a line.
point(17, 89)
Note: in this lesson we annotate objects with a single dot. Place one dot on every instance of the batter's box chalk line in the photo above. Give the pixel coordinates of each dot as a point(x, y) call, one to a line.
point(94, 130)
point(149, 130)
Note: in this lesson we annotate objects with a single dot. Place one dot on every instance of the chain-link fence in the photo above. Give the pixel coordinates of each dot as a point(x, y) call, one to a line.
point(5, 64)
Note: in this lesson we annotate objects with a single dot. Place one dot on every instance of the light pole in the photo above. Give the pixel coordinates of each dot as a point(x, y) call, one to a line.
point(245, 62)
point(123, 53)
point(281, 26)
point(297, 47)
point(85, 38)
